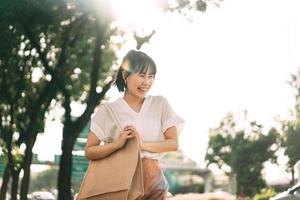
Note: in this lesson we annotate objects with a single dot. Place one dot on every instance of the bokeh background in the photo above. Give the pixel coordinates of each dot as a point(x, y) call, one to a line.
point(230, 68)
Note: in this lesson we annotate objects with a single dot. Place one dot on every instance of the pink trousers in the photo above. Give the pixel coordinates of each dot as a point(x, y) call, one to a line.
point(155, 183)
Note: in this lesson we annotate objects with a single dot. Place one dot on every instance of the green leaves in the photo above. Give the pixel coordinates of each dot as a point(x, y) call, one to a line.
point(243, 150)
point(291, 141)
point(291, 128)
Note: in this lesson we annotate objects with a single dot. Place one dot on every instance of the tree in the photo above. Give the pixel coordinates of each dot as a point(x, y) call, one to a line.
point(243, 151)
point(23, 101)
point(291, 129)
point(77, 44)
point(291, 144)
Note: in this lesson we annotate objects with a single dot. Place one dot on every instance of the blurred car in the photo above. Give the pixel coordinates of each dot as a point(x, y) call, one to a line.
point(41, 196)
point(292, 193)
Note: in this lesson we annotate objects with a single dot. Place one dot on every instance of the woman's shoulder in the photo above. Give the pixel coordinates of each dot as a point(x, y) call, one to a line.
point(99, 110)
point(102, 108)
point(102, 105)
point(158, 99)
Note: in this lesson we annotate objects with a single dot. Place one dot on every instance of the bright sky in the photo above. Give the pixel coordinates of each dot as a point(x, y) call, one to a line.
point(237, 57)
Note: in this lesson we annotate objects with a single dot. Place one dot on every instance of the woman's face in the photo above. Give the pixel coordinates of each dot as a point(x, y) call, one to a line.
point(138, 85)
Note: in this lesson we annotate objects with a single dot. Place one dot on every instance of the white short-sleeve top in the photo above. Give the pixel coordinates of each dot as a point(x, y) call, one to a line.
point(153, 119)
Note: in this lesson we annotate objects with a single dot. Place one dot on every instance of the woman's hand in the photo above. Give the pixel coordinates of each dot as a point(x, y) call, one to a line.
point(170, 143)
point(136, 134)
point(124, 135)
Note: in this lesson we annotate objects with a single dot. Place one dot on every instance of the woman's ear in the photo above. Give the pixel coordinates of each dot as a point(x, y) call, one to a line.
point(124, 75)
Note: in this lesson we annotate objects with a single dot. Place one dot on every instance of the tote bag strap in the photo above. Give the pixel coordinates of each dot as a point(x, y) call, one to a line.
point(113, 116)
point(137, 189)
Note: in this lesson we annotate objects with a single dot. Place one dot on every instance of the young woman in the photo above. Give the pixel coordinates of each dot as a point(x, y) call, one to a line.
point(150, 118)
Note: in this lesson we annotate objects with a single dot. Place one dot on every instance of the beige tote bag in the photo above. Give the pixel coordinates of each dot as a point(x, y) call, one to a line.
point(118, 176)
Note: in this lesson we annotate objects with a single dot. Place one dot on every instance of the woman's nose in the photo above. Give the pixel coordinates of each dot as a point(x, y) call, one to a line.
point(147, 81)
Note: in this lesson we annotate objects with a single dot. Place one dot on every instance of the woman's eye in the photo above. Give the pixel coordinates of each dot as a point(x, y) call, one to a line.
point(144, 76)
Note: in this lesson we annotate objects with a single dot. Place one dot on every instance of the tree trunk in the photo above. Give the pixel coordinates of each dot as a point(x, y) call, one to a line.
point(293, 176)
point(65, 166)
point(5, 181)
point(26, 177)
point(14, 185)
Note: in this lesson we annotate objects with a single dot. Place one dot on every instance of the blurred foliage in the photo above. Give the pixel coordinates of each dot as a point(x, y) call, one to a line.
point(242, 152)
point(265, 194)
point(47, 50)
point(44, 181)
point(180, 183)
point(23, 101)
point(291, 144)
point(291, 128)
point(184, 7)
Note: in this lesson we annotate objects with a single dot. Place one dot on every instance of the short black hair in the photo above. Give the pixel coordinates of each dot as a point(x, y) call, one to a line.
point(137, 63)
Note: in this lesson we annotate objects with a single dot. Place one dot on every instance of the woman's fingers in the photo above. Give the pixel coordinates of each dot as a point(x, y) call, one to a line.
point(127, 134)
point(124, 135)
point(130, 127)
point(134, 133)
point(130, 132)
point(130, 136)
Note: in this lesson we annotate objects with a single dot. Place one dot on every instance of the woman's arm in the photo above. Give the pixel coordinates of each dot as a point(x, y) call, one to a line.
point(95, 151)
point(169, 144)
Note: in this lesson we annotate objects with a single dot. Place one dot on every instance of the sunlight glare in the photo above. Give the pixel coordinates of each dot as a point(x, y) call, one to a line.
point(136, 13)
point(37, 74)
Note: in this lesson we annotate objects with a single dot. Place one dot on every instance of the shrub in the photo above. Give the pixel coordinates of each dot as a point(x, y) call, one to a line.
point(265, 194)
